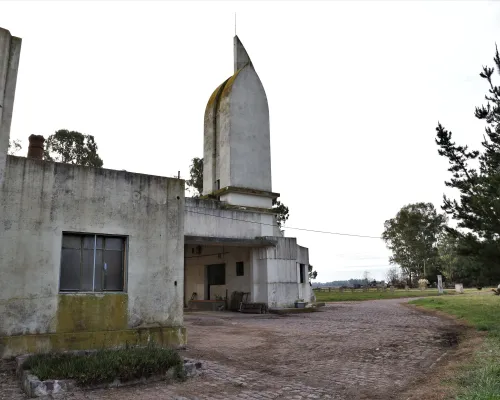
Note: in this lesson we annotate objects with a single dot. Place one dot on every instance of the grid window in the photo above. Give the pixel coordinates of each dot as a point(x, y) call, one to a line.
point(240, 268)
point(92, 263)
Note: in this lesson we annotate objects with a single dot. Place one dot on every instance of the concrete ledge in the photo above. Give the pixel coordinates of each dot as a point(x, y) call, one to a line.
point(235, 189)
point(282, 311)
point(213, 240)
point(11, 346)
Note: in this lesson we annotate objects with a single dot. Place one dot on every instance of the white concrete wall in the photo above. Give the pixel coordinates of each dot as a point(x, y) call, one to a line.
point(10, 51)
point(207, 218)
point(250, 144)
point(195, 270)
point(259, 293)
point(277, 274)
point(39, 200)
point(247, 200)
point(237, 146)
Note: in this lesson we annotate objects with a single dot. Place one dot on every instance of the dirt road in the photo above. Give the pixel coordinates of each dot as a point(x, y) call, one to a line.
point(363, 350)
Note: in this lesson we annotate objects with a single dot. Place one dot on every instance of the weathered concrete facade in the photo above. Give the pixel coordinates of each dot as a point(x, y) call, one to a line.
point(38, 202)
point(10, 51)
point(216, 219)
point(237, 149)
point(237, 173)
point(92, 257)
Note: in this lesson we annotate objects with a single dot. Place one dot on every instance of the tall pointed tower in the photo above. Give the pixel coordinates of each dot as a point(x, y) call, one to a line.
point(237, 149)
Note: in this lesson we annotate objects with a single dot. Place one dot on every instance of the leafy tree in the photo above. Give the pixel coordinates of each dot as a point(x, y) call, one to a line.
point(72, 147)
point(448, 256)
point(457, 264)
point(312, 274)
point(477, 210)
point(393, 276)
point(14, 147)
point(196, 176)
point(282, 212)
point(366, 277)
point(412, 236)
point(195, 182)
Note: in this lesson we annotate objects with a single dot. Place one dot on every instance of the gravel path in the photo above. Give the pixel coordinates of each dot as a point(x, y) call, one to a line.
point(356, 350)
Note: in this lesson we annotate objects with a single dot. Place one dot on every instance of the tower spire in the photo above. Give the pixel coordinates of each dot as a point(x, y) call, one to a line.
point(241, 57)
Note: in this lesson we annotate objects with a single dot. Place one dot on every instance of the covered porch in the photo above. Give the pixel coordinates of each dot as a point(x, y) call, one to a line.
point(221, 273)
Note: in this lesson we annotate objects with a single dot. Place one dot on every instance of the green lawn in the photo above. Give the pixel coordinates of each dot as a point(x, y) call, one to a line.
point(480, 379)
point(358, 294)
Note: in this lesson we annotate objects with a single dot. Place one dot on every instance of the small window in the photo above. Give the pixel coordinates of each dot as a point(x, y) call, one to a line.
point(240, 268)
point(92, 263)
point(302, 271)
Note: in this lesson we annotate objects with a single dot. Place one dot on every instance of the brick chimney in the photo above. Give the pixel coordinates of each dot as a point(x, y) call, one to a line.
point(35, 149)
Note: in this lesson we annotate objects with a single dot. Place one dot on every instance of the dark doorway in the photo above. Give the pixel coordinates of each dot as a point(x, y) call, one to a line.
point(215, 275)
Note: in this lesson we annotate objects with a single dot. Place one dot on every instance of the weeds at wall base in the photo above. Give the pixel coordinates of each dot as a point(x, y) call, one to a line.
point(52, 373)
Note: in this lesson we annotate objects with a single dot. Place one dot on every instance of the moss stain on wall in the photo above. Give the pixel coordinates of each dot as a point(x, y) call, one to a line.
point(92, 312)
point(23, 344)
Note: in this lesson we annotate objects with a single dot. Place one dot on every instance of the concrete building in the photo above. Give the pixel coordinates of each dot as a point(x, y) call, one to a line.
point(232, 241)
point(92, 257)
point(89, 257)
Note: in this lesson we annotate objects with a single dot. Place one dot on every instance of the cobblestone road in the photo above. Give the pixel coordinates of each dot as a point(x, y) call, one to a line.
point(366, 350)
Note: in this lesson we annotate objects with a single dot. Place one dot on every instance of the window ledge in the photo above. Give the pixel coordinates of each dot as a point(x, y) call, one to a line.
point(94, 293)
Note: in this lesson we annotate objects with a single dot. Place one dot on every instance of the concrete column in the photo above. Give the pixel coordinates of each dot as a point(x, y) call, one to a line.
point(10, 51)
point(35, 149)
point(258, 268)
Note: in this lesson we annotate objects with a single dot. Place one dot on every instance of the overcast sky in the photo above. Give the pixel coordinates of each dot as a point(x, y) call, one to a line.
point(355, 91)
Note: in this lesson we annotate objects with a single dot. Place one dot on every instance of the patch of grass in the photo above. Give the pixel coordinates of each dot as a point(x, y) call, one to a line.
point(104, 366)
point(358, 295)
point(480, 379)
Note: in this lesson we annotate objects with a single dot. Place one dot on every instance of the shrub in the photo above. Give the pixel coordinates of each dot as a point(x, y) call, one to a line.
point(423, 283)
point(104, 366)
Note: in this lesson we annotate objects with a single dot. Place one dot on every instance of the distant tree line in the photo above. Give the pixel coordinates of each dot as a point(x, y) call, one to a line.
point(345, 283)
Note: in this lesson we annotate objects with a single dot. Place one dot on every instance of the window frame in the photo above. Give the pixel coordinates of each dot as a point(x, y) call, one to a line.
point(82, 235)
point(242, 265)
point(302, 273)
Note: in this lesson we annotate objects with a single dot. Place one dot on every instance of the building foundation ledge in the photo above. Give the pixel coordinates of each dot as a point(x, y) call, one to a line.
point(164, 336)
